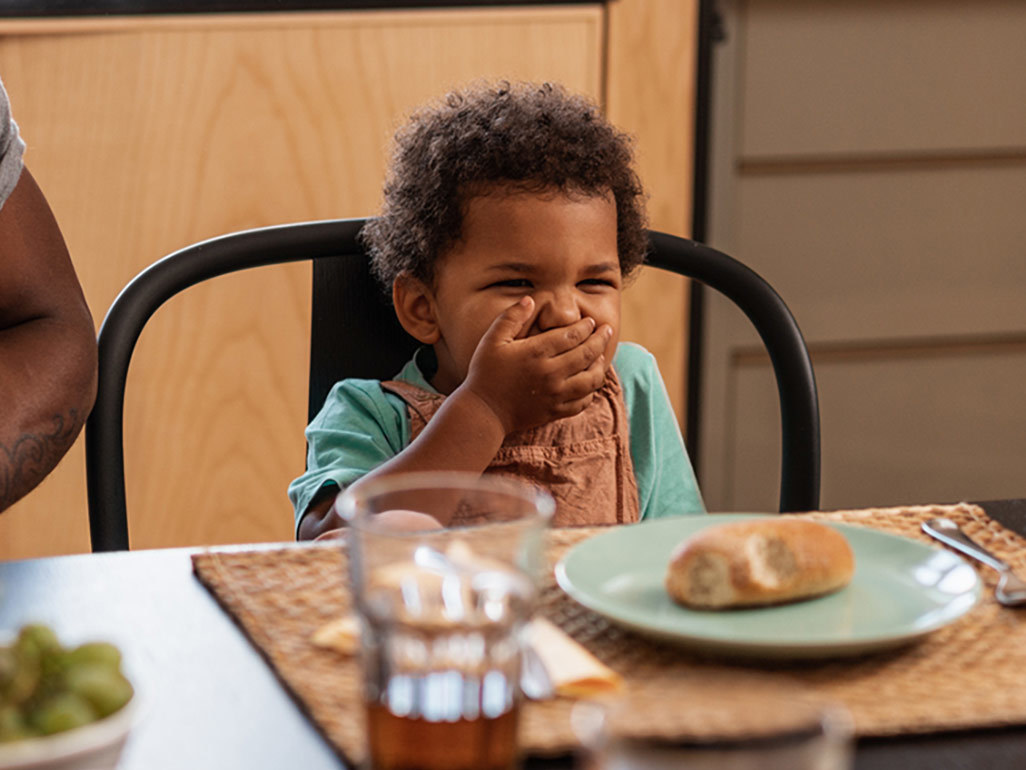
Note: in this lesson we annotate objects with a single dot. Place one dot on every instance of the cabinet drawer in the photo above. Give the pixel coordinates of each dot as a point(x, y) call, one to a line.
point(905, 76)
point(891, 254)
point(937, 428)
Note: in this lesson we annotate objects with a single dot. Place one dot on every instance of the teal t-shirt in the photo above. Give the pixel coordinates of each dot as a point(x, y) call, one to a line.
point(362, 426)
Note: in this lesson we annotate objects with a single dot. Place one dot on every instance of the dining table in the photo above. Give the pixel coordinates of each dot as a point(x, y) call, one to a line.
point(209, 698)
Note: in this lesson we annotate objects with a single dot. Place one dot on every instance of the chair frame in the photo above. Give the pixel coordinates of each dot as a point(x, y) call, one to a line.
point(319, 241)
point(792, 366)
point(133, 307)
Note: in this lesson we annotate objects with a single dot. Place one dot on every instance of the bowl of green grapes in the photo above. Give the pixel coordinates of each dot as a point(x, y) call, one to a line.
point(62, 707)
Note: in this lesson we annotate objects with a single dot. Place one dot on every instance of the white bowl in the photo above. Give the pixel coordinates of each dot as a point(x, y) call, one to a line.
point(95, 746)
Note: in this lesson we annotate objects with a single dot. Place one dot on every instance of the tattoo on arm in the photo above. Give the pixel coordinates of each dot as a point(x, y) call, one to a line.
point(33, 455)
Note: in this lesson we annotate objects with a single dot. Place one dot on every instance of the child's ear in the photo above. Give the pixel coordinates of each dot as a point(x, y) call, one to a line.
point(415, 306)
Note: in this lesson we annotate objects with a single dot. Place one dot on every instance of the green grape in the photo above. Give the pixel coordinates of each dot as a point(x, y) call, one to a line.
point(52, 665)
point(95, 652)
point(8, 665)
point(62, 712)
point(37, 638)
point(12, 725)
point(104, 688)
point(46, 688)
point(24, 678)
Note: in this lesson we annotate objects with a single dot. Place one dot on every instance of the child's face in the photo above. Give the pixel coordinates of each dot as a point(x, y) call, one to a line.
point(560, 250)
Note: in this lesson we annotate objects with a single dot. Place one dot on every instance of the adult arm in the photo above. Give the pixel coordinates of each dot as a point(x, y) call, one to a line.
point(47, 344)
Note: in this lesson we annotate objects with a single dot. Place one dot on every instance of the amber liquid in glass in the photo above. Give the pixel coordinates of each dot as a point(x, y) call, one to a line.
point(414, 743)
point(441, 663)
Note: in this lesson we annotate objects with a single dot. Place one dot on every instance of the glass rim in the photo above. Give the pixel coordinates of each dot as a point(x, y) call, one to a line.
point(832, 725)
point(595, 722)
point(349, 501)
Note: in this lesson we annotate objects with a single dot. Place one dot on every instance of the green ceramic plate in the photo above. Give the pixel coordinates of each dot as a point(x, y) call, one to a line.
point(901, 591)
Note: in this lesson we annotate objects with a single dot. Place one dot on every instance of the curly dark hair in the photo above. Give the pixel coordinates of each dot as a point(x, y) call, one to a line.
point(531, 137)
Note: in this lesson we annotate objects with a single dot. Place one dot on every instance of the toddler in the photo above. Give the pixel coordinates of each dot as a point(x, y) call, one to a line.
point(512, 218)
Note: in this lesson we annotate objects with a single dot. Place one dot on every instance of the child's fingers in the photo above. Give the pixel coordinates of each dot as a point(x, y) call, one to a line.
point(584, 355)
point(570, 408)
point(510, 322)
point(555, 342)
point(585, 383)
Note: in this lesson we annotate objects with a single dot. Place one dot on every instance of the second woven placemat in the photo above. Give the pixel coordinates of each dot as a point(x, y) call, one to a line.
point(969, 674)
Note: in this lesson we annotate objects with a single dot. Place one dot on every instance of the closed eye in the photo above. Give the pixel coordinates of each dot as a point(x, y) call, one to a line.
point(601, 282)
point(512, 283)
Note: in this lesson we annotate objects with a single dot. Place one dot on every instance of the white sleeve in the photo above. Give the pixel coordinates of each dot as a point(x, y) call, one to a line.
point(11, 148)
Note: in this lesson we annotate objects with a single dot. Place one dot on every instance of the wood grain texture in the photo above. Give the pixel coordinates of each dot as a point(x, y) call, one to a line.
point(149, 134)
point(650, 93)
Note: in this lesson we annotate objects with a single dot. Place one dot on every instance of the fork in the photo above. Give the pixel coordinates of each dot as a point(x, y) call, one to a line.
point(1011, 589)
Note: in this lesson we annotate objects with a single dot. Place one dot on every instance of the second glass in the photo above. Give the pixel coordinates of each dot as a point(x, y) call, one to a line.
point(739, 722)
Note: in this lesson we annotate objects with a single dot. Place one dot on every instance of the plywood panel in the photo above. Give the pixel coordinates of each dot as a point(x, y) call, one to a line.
point(882, 76)
point(943, 427)
point(149, 134)
point(651, 94)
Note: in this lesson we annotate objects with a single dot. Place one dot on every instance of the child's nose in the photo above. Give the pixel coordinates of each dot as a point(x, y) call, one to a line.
point(557, 309)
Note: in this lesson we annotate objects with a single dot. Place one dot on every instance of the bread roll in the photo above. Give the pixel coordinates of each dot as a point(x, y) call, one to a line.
point(763, 561)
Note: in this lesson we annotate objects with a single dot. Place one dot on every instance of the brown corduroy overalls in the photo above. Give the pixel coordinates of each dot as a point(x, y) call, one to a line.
point(583, 461)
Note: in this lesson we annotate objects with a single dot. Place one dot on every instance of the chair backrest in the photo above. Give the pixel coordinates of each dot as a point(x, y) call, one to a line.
point(354, 330)
point(355, 334)
point(792, 367)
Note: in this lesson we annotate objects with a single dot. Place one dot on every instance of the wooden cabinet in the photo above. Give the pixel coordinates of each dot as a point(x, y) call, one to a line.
point(871, 164)
point(150, 133)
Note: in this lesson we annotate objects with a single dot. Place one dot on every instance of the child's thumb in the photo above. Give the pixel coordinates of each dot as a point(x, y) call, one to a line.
point(510, 322)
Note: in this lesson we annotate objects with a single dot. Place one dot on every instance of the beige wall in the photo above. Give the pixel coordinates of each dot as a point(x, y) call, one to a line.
point(150, 133)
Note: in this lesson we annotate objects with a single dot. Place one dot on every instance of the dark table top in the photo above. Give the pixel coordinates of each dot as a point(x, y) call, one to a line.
point(22, 8)
point(209, 700)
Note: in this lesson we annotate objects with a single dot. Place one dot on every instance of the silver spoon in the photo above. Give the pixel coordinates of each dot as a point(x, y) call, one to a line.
point(1011, 590)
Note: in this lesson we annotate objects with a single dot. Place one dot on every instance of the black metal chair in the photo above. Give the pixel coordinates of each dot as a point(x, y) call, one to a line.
point(355, 334)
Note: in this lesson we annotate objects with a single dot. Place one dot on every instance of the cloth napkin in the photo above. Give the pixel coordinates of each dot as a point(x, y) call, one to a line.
point(573, 671)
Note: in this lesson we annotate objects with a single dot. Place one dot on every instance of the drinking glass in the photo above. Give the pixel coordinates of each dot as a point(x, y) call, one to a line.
point(733, 724)
point(443, 602)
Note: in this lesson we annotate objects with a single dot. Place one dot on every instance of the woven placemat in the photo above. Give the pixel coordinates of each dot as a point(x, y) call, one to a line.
point(969, 674)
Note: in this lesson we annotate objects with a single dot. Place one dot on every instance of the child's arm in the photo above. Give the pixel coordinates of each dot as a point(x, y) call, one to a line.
point(330, 524)
point(512, 384)
point(462, 436)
